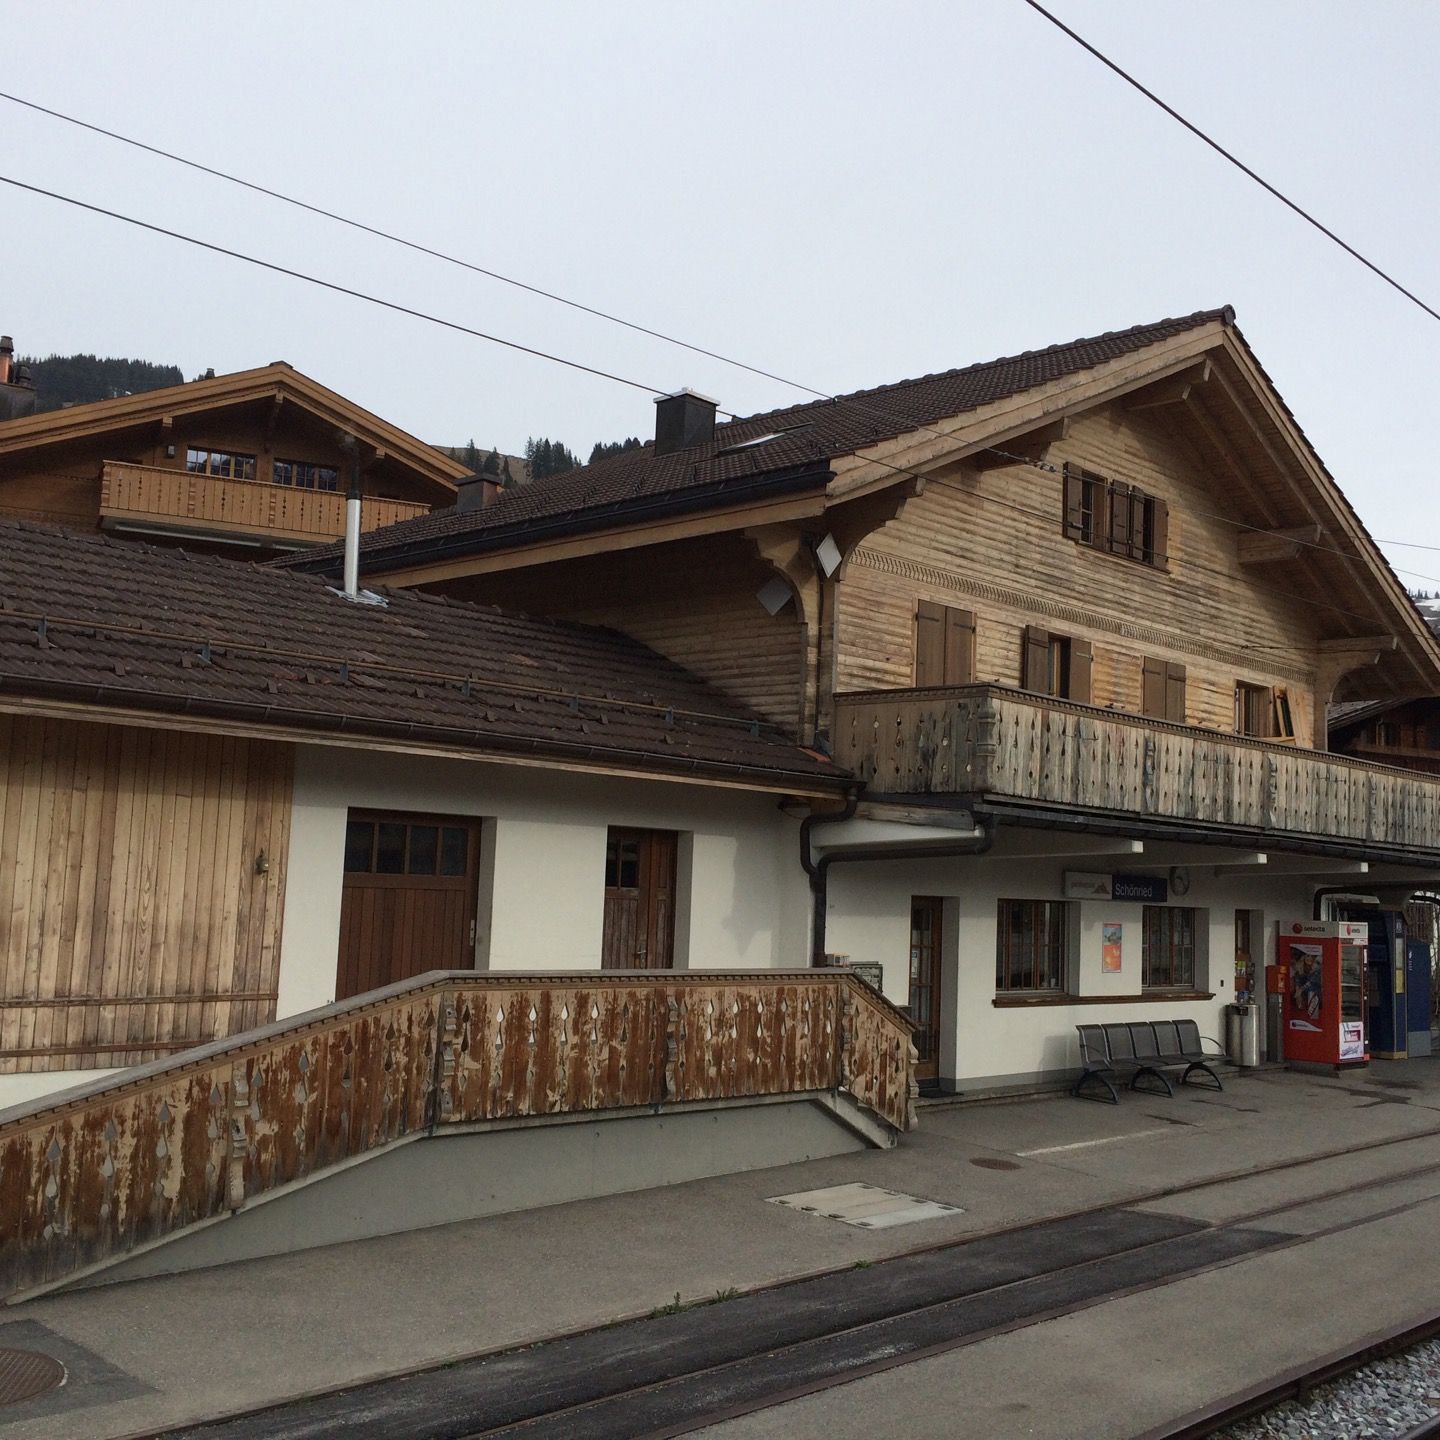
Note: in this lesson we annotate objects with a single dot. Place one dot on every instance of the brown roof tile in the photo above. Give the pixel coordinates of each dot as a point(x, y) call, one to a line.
point(819, 430)
point(127, 625)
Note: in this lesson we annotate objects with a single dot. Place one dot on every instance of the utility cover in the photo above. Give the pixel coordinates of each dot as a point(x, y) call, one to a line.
point(24, 1374)
point(865, 1206)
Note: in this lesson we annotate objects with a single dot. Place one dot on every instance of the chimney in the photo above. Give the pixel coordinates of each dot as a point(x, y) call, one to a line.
point(475, 492)
point(17, 387)
point(682, 420)
point(352, 534)
point(7, 358)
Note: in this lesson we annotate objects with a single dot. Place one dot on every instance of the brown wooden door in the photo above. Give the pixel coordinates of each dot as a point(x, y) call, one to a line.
point(408, 901)
point(639, 900)
point(924, 1002)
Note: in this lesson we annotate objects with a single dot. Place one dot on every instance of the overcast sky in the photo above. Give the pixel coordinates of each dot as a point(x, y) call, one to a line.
point(844, 194)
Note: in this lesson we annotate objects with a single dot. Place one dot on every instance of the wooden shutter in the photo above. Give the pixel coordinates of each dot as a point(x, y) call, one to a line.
point(1074, 503)
point(1141, 510)
point(959, 646)
point(1152, 689)
point(1035, 660)
point(1118, 532)
point(1175, 693)
point(929, 644)
point(1159, 534)
point(1081, 665)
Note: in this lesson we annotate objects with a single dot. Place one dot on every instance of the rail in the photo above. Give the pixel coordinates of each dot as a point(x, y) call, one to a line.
point(158, 496)
point(988, 740)
point(91, 1174)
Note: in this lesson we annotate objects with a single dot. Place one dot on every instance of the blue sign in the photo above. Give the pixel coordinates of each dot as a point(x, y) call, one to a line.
point(1147, 888)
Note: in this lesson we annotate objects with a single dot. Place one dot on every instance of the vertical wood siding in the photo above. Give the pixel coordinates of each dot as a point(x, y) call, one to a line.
point(132, 920)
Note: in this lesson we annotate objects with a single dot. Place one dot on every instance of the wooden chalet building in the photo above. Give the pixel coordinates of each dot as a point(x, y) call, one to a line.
point(1071, 618)
point(253, 462)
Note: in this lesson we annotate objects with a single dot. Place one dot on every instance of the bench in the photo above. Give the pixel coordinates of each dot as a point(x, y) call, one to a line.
point(1145, 1048)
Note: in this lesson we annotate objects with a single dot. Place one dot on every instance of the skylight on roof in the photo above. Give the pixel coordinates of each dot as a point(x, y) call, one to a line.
point(764, 439)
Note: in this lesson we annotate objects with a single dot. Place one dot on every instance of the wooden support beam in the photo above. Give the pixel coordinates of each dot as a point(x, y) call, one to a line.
point(1338, 657)
point(1173, 391)
point(1220, 447)
point(1021, 449)
point(1263, 547)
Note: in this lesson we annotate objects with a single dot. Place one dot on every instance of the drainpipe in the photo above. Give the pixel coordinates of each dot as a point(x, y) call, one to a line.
point(819, 870)
point(352, 533)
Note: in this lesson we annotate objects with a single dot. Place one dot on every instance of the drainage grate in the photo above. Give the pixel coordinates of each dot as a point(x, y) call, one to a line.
point(24, 1374)
point(988, 1162)
point(866, 1206)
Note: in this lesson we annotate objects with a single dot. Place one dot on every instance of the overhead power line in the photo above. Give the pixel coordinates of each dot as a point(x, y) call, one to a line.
point(1239, 164)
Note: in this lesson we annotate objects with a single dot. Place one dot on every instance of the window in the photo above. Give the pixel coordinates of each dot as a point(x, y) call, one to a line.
point(1162, 690)
point(1032, 946)
point(305, 475)
point(1167, 957)
point(1058, 665)
point(1253, 707)
point(944, 645)
point(401, 847)
point(224, 464)
point(1119, 518)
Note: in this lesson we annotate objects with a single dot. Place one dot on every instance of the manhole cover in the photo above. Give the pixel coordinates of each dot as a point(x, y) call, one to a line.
point(25, 1374)
point(986, 1162)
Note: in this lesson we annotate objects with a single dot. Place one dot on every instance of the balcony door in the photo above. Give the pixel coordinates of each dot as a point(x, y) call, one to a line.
point(639, 929)
point(408, 900)
point(924, 999)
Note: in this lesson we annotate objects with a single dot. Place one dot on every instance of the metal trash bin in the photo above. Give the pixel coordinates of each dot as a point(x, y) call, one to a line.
point(1242, 1033)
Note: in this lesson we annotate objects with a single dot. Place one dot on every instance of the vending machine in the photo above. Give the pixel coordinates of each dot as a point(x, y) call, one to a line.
point(1323, 978)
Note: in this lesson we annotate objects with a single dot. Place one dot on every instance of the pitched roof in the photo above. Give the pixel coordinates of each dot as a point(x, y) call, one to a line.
point(810, 435)
point(122, 625)
point(276, 380)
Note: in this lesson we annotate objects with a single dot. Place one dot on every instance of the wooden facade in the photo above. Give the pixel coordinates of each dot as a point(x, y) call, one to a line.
point(982, 741)
point(142, 878)
point(1407, 735)
point(157, 1152)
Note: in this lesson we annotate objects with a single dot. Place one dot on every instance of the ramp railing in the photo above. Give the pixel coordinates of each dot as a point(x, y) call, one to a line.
point(92, 1174)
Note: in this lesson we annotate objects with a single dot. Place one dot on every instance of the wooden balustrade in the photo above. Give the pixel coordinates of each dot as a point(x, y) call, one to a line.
point(176, 498)
point(154, 1151)
point(987, 740)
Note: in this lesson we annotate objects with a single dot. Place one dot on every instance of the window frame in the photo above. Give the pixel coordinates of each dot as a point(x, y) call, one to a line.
point(1115, 517)
point(1160, 923)
point(295, 466)
point(1051, 926)
point(1255, 710)
point(246, 462)
point(1058, 665)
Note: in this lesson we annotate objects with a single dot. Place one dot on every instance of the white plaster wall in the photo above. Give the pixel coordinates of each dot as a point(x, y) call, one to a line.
point(17, 1089)
point(868, 918)
point(741, 903)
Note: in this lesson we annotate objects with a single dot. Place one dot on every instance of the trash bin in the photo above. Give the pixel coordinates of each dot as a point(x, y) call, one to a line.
point(1242, 1034)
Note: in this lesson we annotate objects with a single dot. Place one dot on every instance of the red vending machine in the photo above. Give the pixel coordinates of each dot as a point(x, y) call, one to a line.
point(1324, 991)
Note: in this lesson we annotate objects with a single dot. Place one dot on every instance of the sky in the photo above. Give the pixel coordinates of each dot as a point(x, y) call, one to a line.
point(842, 194)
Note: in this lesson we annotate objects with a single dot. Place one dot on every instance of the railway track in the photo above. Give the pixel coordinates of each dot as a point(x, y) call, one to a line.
point(677, 1373)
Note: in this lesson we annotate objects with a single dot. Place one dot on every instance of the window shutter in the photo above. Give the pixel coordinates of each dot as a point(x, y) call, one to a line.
point(1265, 711)
point(1074, 503)
point(959, 646)
point(1119, 496)
point(1159, 534)
point(1140, 511)
point(1152, 689)
point(1175, 693)
point(1035, 661)
point(929, 644)
point(1081, 664)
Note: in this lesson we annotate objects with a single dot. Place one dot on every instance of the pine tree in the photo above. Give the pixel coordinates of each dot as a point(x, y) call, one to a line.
point(603, 449)
point(492, 463)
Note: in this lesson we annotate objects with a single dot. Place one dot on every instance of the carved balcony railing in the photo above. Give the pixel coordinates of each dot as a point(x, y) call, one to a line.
point(990, 741)
point(178, 500)
point(146, 1154)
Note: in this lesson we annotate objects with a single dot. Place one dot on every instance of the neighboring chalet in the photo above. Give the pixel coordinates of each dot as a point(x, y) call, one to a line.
point(1073, 618)
point(253, 463)
point(1390, 732)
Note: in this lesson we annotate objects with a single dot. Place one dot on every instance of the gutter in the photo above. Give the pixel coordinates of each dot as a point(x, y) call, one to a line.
point(819, 870)
point(679, 502)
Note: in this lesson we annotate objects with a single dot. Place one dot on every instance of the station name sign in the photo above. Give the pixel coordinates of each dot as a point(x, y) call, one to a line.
point(1091, 885)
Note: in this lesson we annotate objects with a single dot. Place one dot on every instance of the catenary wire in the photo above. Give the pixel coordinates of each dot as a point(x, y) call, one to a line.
point(1239, 164)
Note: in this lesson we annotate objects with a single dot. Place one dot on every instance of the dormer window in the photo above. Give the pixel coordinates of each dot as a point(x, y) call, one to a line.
point(1115, 517)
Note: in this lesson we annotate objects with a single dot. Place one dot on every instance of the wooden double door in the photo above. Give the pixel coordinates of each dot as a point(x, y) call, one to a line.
point(408, 898)
point(639, 932)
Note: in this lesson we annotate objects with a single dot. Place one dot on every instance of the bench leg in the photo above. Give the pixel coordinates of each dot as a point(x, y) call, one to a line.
point(1200, 1067)
point(1154, 1075)
point(1078, 1091)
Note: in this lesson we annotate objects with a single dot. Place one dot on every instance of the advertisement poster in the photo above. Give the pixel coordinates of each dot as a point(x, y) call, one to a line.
point(1352, 1040)
point(1110, 946)
point(1307, 986)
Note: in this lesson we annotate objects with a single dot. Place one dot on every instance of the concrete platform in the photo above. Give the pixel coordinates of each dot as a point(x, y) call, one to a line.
point(211, 1342)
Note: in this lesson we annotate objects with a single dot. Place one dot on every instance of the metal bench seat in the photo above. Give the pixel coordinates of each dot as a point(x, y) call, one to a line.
point(1145, 1049)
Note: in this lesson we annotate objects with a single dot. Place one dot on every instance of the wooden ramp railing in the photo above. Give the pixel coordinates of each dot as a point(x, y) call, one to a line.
point(89, 1175)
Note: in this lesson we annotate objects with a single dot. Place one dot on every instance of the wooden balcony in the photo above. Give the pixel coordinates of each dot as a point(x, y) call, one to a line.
point(161, 1149)
point(993, 742)
point(175, 500)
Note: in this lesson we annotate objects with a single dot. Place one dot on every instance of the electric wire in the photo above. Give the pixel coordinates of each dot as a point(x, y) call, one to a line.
point(1239, 164)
